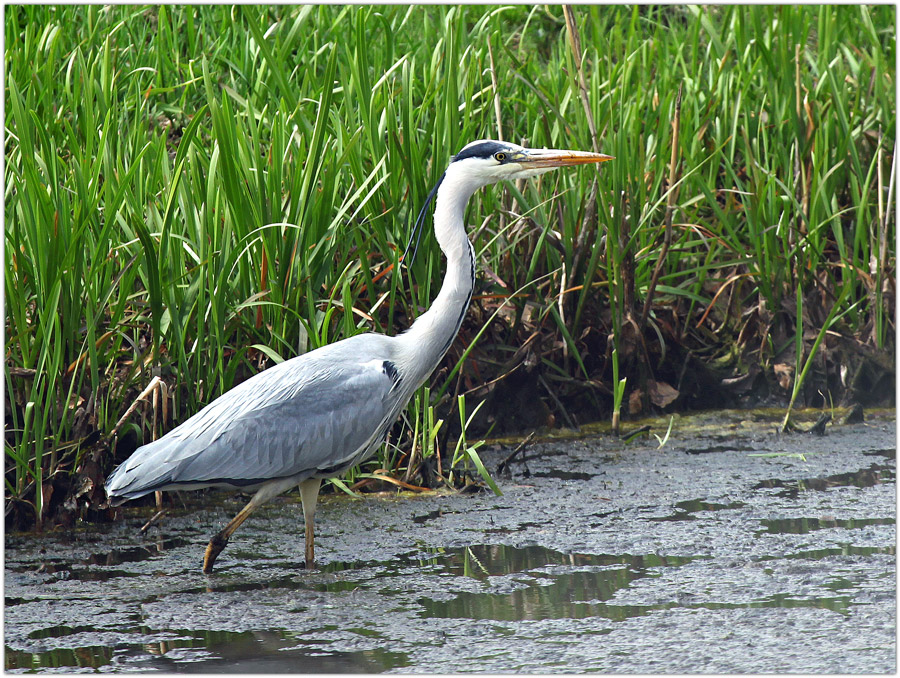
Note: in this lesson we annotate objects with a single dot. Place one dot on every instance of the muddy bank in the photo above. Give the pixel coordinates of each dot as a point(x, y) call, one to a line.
point(518, 395)
point(730, 549)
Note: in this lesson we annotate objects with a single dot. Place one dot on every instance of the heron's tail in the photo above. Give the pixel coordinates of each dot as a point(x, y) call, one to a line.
point(142, 473)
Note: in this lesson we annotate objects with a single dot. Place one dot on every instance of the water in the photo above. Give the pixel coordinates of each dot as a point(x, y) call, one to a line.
point(547, 584)
point(598, 557)
point(210, 652)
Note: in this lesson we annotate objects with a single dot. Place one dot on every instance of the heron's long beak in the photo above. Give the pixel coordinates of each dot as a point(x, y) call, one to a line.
point(557, 158)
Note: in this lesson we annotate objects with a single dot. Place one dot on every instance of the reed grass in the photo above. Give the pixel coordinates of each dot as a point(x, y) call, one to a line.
point(196, 192)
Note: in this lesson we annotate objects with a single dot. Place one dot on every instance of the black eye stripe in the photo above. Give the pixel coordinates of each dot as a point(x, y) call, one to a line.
point(485, 150)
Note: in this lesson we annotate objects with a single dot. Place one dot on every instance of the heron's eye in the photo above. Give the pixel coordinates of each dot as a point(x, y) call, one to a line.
point(500, 157)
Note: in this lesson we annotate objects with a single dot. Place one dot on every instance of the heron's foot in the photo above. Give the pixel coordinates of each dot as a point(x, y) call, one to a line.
point(216, 545)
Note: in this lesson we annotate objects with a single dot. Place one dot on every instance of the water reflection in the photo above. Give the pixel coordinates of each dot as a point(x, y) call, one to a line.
point(554, 585)
point(790, 489)
point(685, 510)
point(106, 560)
point(135, 554)
point(806, 525)
point(564, 596)
point(212, 651)
point(83, 657)
point(59, 631)
point(564, 475)
point(837, 550)
point(421, 520)
point(263, 652)
point(551, 585)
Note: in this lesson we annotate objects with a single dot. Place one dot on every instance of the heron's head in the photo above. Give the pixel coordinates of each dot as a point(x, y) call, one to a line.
point(486, 162)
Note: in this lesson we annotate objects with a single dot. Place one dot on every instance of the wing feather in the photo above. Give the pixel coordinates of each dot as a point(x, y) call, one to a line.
point(316, 412)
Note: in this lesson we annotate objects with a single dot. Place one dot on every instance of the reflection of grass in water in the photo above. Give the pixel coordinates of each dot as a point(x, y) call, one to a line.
point(549, 592)
point(93, 656)
point(58, 631)
point(136, 553)
point(275, 649)
point(684, 510)
point(839, 550)
point(806, 525)
point(485, 560)
point(281, 650)
point(867, 477)
point(550, 589)
point(581, 595)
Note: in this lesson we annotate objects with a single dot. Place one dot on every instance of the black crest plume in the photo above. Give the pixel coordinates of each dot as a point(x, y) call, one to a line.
point(416, 233)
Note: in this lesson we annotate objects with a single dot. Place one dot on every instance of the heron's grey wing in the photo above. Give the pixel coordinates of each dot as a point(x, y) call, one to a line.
point(309, 414)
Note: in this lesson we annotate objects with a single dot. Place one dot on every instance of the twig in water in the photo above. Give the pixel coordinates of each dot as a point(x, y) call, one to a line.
point(521, 446)
point(159, 514)
point(819, 427)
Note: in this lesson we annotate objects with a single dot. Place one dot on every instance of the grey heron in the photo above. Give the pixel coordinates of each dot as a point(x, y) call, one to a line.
point(317, 415)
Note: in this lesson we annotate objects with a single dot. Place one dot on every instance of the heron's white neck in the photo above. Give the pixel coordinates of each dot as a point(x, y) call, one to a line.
point(432, 333)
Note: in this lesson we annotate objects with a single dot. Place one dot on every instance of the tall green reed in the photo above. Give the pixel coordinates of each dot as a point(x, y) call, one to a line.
point(195, 191)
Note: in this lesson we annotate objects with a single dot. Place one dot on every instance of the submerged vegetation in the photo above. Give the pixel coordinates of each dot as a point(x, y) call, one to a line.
point(193, 193)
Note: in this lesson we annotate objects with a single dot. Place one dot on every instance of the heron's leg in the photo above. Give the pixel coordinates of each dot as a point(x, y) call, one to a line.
point(220, 539)
point(309, 493)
